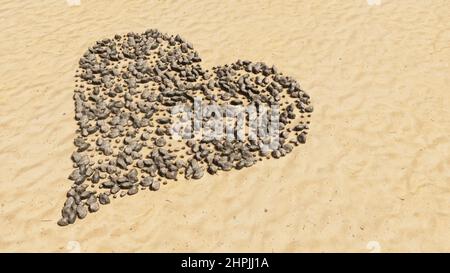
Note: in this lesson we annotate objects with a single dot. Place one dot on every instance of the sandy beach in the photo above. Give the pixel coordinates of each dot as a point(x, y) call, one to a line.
point(374, 175)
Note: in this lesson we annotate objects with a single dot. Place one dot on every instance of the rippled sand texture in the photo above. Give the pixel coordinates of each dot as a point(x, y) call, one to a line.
point(373, 176)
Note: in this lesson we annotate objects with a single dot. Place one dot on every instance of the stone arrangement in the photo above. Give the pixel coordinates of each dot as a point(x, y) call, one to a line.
point(126, 90)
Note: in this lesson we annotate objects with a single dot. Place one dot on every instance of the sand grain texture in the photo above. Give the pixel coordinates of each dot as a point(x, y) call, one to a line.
point(376, 166)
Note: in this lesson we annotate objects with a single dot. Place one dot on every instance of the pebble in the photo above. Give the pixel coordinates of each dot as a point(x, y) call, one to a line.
point(145, 136)
point(133, 190)
point(115, 189)
point(92, 199)
point(155, 186)
point(160, 142)
point(198, 173)
point(96, 176)
point(63, 222)
point(212, 169)
point(94, 207)
point(146, 182)
point(276, 154)
point(82, 211)
point(85, 195)
point(103, 199)
point(301, 138)
point(163, 120)
point(72, 217)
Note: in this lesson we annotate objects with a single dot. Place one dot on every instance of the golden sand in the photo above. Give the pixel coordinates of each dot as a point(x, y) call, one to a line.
point(373, 176)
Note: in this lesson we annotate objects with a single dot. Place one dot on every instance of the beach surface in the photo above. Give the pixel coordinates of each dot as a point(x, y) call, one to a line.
point(374, 175)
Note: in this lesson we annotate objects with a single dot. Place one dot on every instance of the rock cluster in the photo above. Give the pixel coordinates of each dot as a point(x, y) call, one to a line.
point(125, 90)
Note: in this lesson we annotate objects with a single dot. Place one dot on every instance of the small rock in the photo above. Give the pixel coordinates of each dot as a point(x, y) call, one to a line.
point(94, 207)
point(63, 222)
point(160, 142)
point(133, 190)
point(301, 138)
point(155, 185)
point(81, 211)
point(103, 199)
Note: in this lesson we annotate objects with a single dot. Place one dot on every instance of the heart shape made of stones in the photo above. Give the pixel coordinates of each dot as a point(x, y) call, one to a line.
point(126, 92)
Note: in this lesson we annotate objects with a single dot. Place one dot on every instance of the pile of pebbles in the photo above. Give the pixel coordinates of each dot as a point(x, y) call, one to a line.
point(125, 89)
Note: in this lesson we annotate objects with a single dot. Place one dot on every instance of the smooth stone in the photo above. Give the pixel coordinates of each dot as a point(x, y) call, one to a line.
point(63, 222)
point(82, 211)
point(155, 185)
point(103, 199)
point(94, 207)
point(133, 190)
